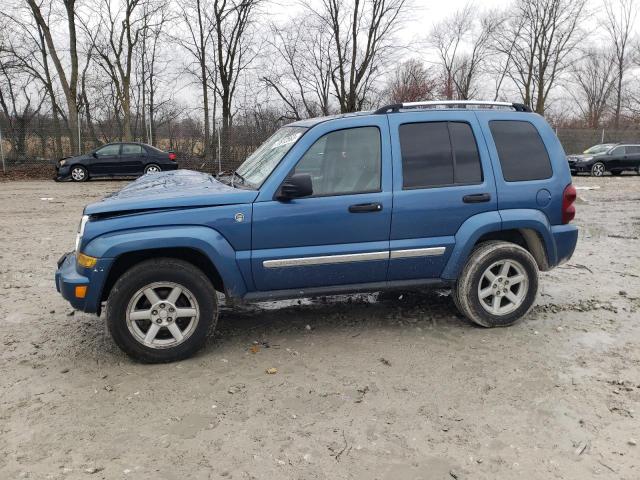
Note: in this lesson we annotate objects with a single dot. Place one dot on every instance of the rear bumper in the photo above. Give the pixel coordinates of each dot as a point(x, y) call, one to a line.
point(565, 238)
point(68, 278)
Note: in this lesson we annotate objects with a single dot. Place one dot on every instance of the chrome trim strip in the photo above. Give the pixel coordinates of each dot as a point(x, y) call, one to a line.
point(418, 252)
point(325, 260)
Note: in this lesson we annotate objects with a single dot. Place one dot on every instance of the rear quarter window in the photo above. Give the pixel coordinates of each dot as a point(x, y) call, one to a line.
point(522, 154)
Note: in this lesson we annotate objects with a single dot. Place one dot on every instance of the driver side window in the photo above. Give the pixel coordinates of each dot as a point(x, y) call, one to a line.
point(108, 151)
point(344, 162)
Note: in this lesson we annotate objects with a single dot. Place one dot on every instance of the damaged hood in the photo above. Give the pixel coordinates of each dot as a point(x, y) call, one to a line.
point(176, 189)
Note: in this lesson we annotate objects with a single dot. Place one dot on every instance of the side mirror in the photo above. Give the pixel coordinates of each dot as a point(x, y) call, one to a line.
point(296, 186)
point(94, 154)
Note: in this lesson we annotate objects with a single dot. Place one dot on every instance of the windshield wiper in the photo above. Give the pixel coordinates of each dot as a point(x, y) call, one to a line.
point(240, 177)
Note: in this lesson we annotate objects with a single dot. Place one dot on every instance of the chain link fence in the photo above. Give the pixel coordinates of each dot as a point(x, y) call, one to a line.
point(31, 151)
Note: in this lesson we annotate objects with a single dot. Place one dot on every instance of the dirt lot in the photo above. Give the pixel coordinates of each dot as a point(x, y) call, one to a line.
point(390, 387)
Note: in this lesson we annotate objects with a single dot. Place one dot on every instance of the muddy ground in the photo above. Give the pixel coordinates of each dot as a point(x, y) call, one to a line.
point(373, 387)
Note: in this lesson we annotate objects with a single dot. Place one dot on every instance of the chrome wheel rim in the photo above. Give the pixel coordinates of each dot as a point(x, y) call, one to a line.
point(77, 174)
point(162, 315)
point(598, 170)
point(503, 287)
point(152, 169)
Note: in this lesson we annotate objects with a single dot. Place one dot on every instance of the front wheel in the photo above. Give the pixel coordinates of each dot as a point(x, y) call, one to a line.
point(498, 285)
point(79, 174)
point(598, 169)
point(162, 310)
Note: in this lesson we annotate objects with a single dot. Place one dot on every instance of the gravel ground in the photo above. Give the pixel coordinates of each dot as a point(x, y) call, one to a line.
point(374, 387)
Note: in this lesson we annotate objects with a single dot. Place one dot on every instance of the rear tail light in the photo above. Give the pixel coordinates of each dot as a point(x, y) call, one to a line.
point(172, 156)
point(568, 208)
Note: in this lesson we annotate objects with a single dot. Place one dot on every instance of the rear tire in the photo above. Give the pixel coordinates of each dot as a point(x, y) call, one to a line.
point(152, 168)
point(498, 284)
point(162, 310)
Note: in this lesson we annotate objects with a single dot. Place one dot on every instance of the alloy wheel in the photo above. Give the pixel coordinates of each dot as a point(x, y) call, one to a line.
point(503, 287)
point(162, 315)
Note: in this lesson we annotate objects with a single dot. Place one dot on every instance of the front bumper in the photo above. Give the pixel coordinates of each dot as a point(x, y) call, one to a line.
point(68, 278)
point(62, 173)
point(576, 167)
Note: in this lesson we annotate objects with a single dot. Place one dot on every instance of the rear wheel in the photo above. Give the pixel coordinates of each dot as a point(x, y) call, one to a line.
point(598, 169)
point(79, 174)
point(498, 285)
point(162, 310)
point(152, 168)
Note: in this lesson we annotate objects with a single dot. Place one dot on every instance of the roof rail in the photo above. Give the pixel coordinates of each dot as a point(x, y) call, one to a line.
point(396, 107)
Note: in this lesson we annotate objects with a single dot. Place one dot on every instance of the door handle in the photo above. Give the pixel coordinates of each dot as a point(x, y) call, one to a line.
point(476, 198)
point(365, 207)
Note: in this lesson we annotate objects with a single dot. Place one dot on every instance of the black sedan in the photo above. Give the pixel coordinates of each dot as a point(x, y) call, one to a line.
point(608, 157)
point(116, 160)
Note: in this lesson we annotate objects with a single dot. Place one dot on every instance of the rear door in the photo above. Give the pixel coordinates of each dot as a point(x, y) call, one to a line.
point(105, 160)
point(340, 234)
point(632, 160)
point(442, 176)
point(132, 158)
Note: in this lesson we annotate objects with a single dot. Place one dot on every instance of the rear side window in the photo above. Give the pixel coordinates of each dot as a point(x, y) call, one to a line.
point(633, 149)
point(437, 154)
point(129, 149)
point(522, 154)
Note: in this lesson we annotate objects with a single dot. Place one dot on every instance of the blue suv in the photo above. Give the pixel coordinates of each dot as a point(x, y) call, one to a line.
point(475, 196)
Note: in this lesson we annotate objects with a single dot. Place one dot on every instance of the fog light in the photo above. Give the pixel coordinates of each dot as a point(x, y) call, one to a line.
point(81, 291)
point(86, 261)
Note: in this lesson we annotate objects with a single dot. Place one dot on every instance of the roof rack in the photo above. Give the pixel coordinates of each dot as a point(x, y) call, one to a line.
point(396, 107)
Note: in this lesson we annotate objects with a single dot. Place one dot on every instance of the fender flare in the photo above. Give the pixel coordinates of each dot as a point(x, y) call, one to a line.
point(478, 225)
point(204, 239)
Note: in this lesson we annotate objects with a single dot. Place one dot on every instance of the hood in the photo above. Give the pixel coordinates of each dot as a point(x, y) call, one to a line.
point(175, 189)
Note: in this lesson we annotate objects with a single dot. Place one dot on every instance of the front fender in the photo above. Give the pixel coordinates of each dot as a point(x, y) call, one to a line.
point(204, 239)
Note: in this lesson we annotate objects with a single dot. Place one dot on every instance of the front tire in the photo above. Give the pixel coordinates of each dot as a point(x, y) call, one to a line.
point(498, 285)
point(79, 174)
point(598, 169)
point(162, 310)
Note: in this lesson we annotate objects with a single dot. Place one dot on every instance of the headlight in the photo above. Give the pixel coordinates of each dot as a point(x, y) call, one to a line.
point(63, 163)
point(83, 222)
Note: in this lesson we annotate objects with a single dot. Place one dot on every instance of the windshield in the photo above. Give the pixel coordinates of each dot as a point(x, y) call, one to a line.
point(259, 165)
point(599, 148)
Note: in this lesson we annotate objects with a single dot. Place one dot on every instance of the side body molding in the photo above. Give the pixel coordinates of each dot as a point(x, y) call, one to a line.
point(204, 239)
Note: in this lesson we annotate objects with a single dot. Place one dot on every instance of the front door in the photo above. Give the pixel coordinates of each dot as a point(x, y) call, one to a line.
point(340, 234)
point(105, 160)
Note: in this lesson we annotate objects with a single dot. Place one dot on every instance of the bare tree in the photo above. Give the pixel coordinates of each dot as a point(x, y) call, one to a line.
point(361, 33)
point(412, 82)
point(595, 76)
point(115, 41)
point(542, 36)
point(302, 77)
point(68, 76)
point(621, 16)
point(232, 30)
point(197, 40)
